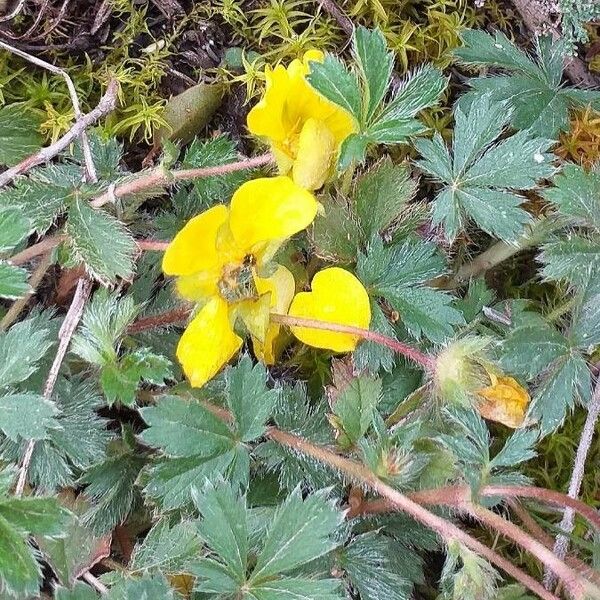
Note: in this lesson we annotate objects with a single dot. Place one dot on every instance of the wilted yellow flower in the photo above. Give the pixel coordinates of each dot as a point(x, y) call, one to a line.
point(221, 259)
point(504, 400)
point(337, 297)
point(304, 129)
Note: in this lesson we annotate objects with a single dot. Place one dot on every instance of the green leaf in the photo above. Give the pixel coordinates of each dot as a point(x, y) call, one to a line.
point(102, 242)
point(172, 481)
point(585, 325)
point(394, 131)
point(13, 281)
point(39, 516)
point(567, 380)
point(355, 408)
point(20, 517)
point(398, 274)
point(120, 380)
point(80, 591)
point(42, 196)
point(353, 150)
point(421, 88)
point(105, 321)
point(296, 589)
point(371, 356)
point(212, 153)
point(249, 399)
point(224, 527)
point(19, 135)
point(19, 571)
point(530, 349)
point(21, 348)
point(577, 194)
point(519, 447)
point(300, 532)
point(532, 86)
point(540, 351)
point(77, 549)
point(334, 81)
point(27, 415)
point(185, 428)
point(14, 227)
point(371, 563)
point(573, 258)
point(111, 488)
point(168, 548)
point(375, 63)
point(479, 182)
point(381, 194)
point(336, 233)
point(147, 588)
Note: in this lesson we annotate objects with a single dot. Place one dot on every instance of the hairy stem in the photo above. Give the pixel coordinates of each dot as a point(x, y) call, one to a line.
point(463, 493)
point(159, 178)
point(545, 538)
point(53, 241)
point(413, 354)
point(561, 545)
point(446, 530)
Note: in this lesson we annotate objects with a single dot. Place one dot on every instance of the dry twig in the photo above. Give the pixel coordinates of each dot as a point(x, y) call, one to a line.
point(561, 545)
point(72, 318)
point(106, 104)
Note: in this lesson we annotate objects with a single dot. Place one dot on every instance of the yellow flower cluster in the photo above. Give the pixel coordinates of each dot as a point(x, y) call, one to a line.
point(304, 130)
point(222, 258)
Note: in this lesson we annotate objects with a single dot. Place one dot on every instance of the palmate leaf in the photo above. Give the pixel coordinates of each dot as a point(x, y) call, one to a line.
point(208, 446)
point(532, 85)
point(556, 366)
point(148, 587)
point(361, 91)
point(299, 532)
point(482, 173)
point(399, 273)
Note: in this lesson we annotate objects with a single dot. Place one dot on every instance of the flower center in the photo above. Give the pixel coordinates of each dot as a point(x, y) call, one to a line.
point(237, 280)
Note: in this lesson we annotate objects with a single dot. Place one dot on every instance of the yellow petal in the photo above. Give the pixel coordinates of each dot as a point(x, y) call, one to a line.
point(281, 287)
point(194, 247)
point(337, 297)
point(316, 150)
point(267, 117)
point(505, 401)
point(269, 209)
point(208, 343)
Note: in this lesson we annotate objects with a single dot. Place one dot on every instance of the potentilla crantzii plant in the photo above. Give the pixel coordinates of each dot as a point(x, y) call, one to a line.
point(265, 382)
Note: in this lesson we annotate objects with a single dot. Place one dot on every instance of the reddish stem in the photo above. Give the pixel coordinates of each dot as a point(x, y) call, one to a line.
point(158, 178)
point(406, 350)
point(177, 315)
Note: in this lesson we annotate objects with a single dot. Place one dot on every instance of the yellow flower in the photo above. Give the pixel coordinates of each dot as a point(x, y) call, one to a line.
point(504, 400)
point(221, 259)
point(304, 129)
point(337, 297)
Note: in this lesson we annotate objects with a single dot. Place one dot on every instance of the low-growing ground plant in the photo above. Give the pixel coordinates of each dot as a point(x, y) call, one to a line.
point(351, 352)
